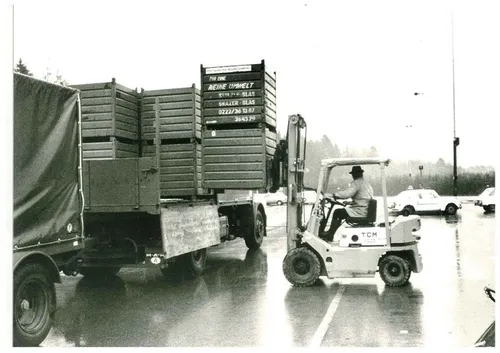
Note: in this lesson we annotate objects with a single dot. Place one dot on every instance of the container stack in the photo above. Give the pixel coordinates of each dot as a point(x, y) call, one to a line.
point(171, 131)
point(239, 126)
point(110, 120)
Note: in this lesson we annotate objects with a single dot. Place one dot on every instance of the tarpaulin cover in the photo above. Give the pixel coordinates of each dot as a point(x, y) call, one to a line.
point(46, 157)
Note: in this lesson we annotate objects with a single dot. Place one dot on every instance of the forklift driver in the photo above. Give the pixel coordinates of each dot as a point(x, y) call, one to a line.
point(360, 192)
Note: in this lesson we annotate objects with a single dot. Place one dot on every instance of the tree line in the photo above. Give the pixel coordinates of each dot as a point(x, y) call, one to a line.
point(399, 175)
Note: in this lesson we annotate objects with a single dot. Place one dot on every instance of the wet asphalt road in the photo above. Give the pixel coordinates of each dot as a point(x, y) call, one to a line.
point(243, 299)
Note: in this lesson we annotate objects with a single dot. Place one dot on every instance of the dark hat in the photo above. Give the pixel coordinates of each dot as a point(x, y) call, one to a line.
point(356, 170)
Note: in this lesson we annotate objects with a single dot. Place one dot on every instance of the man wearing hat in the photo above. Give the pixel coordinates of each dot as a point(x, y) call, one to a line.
point(360, 192)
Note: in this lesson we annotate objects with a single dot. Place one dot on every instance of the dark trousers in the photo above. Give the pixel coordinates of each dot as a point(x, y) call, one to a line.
point(338, 215)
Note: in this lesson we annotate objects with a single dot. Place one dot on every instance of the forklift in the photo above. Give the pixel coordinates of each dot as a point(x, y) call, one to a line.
point(361, 247)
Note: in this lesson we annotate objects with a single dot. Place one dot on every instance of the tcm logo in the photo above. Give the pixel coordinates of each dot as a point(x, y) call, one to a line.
point(369, 234)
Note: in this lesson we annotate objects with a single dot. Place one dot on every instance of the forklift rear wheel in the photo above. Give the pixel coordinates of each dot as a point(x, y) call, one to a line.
point(99, 271)
point(255, 236)
point(301, 267)
point(394, 270)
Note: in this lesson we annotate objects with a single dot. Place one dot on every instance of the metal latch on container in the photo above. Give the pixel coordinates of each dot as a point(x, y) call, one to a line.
point(150, 170)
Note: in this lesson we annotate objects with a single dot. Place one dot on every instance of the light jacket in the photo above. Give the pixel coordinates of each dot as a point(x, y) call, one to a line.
point(361, 193)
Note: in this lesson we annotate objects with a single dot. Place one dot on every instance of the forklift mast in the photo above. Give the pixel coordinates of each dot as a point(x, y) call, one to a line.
point(288, 172)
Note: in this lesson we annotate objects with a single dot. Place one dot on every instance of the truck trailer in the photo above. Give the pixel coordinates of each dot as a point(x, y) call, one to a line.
point(95, 216)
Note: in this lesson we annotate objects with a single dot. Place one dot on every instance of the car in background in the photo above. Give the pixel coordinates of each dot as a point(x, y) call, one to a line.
point(420, 201)
point(486, 199)
point(309, 197)
point(276, 198)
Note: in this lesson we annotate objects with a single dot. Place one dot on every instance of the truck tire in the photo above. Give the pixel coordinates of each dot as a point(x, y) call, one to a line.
point(34, 304)
point(254, 238)
point(394, 270)
point(99, 271)
point(301, 267)
point(451, 209)
point(189, 265)
point(195, 262)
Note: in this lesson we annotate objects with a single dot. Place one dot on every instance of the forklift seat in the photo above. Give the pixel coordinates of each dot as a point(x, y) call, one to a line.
point(370, 218)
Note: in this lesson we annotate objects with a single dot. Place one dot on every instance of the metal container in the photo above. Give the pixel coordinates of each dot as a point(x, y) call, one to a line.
point(180, 113)
point(238, 95)
point(109, 109)
point(238, 158)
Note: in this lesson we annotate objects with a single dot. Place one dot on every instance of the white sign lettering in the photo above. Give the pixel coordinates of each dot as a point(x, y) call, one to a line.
point(217, 78)
point(242, 85)
point(217, 86)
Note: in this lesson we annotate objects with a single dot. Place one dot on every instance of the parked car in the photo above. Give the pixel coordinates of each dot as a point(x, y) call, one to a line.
point(276, 198)
point(486, 200)
point(424, 201)
point(309, 197)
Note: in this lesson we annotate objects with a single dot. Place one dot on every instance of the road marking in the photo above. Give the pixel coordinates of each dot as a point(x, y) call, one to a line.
point(323, 327)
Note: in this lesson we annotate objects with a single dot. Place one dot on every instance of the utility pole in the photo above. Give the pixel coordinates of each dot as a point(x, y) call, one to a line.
point(421, 168)
point(456, 140)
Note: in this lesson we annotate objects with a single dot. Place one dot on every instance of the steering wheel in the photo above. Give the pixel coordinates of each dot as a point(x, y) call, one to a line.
point(333, 201)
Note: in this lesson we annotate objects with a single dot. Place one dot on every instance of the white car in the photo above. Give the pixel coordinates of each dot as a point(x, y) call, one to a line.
point(424, 201)
point(486, 200)
point(309, 197)
point(276, 198)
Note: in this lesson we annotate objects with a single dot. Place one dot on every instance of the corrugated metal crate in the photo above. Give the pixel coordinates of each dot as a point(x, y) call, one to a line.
point(110, 149)
point(180, 113)
point(180, 168)
point(109, 109)
point(238, 95)
point(238, 158)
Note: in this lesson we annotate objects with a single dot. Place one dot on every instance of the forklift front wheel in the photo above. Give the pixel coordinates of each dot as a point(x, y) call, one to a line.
point(394, 270)
point(301, 267)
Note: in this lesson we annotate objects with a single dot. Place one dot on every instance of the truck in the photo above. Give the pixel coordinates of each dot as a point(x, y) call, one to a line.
point(48, 203)
point(93, 217)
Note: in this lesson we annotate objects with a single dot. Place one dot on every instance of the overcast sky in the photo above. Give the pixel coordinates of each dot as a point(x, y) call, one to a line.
point(351, 68)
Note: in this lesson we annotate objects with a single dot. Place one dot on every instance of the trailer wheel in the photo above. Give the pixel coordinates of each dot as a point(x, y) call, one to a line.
point(99, 271)
point(254, 237)
point(34, 304)
point(394, 270)
point(301, 267)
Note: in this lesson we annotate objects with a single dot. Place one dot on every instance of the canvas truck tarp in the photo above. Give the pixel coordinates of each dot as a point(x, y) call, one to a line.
point(46, 159)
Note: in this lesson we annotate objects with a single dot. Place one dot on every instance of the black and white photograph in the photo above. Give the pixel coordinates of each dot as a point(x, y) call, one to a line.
point(251, 174)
